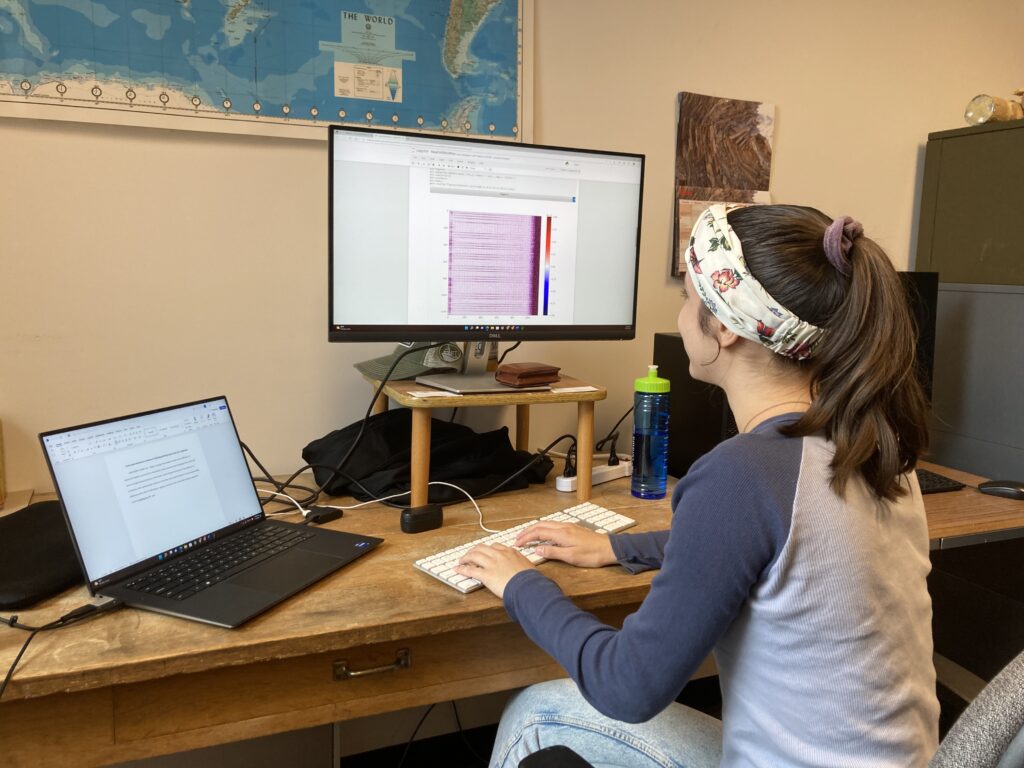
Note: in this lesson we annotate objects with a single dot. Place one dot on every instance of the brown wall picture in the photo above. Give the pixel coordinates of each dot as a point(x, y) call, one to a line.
point(723, 154)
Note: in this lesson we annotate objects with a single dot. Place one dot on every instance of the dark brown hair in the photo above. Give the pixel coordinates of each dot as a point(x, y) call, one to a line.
point(866, 396)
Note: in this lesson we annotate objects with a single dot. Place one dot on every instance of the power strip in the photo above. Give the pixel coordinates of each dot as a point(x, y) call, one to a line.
point(599, 475)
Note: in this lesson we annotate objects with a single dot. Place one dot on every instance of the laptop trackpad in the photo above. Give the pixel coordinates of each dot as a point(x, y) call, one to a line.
point(288, 571)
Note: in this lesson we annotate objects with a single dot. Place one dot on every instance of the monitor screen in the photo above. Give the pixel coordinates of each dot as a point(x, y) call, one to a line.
point(443, 238)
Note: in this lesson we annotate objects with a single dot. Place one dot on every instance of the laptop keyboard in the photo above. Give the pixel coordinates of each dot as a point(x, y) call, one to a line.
point(203, 568)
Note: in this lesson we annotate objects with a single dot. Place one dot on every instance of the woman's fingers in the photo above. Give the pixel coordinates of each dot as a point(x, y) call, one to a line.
point(556, 533)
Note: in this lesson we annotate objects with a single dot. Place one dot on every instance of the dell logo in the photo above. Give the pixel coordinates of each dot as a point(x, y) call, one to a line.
point(494, 335)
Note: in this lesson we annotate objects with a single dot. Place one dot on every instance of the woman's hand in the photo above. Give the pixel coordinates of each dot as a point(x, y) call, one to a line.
point(569, 543)
point(495, 564)
point(492, 565)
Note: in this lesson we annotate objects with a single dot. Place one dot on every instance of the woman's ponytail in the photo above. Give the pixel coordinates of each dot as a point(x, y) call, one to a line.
point(867, 398)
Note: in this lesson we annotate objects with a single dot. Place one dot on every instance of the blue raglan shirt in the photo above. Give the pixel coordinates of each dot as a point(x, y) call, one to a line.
point(783, 579)
point(709, 560)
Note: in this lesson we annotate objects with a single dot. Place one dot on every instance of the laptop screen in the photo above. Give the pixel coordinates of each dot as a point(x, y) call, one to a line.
point(144, 488)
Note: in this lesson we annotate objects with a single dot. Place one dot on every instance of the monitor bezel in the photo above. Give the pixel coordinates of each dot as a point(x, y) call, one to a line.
point(418, 332)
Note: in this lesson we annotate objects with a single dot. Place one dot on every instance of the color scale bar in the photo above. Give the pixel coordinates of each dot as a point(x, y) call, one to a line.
point(547, 264)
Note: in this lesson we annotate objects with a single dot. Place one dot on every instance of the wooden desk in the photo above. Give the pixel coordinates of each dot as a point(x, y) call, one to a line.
point(967, 516)
point(134, 684)
point(422, 410)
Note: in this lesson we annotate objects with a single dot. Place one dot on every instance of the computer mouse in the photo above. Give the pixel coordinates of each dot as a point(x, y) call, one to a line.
point(1010, 489)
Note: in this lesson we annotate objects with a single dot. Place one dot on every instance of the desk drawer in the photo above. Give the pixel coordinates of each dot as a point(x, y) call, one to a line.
point(183, 712)
point(222, 705)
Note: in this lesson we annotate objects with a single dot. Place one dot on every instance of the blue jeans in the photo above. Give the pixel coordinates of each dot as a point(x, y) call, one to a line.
point(554, 712)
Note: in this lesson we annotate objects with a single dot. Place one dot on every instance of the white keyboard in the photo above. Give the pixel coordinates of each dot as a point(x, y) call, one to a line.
point(441, 565)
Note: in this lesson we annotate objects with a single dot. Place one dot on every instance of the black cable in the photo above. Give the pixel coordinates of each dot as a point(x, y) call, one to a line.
point(413, 737)
point(372, 496)
point(258, 463)
point(278, 486)
point(309, 500)
point(569, 470)
point(72, 617)
point(537, 457)
point(369, 411)
point(24, 647)
point(612, 434)
point(503, 354)
point(336, 470)
point(613, 452)
point(314, 494)
point(462, 734)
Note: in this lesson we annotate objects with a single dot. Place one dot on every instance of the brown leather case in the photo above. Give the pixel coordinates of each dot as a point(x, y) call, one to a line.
point(526, 374)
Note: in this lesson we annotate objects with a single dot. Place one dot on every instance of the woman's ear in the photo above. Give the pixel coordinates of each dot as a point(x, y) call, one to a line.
point(726, 337)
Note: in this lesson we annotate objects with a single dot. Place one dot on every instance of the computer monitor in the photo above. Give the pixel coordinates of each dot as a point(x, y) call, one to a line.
point(445, 238)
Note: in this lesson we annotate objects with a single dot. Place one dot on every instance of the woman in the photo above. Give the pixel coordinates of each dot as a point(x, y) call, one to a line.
point(798, 550)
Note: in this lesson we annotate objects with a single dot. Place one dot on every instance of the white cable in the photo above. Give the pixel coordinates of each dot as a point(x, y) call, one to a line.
point(479, 514)
point(406, 493)
point(285, 495)
point(332, 506)
point(371, 501)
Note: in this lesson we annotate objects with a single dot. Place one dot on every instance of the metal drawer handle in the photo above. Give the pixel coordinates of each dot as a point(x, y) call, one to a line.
point(402, 661)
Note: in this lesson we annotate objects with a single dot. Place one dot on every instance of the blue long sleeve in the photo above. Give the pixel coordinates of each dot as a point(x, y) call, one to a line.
point(726, 529)
point(638, 552)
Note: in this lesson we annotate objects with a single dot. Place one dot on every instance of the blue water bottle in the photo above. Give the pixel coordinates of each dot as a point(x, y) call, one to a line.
point(650, 435)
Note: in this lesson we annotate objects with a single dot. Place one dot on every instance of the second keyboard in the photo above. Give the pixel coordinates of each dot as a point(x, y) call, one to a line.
point(441, 565)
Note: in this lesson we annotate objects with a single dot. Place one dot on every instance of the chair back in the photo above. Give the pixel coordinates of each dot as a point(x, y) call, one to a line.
point(990, 732)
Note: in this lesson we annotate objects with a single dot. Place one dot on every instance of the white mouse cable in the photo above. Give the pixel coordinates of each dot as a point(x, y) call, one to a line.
point(305, 512)
point(476, 506)
point(479, 514)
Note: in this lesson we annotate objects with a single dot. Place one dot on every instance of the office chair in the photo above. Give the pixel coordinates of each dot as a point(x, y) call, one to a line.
point(990, 732)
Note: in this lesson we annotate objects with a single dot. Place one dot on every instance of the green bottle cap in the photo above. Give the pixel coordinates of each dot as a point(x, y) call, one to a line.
point(651, 382)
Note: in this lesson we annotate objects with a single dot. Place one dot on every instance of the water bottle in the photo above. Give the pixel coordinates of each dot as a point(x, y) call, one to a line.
point(650, 435)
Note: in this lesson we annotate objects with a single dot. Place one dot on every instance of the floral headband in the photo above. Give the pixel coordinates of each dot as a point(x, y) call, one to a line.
point(719, 272)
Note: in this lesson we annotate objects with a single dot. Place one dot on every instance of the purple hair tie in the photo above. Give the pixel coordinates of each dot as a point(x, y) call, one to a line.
point(839, 239)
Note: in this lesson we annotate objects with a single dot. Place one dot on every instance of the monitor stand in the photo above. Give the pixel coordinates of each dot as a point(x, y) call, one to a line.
point(474, 378)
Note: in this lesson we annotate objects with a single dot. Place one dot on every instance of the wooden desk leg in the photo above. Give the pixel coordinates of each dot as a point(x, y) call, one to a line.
point(523, 428)
point(380, 404)
point(584, 448)
point(419, 473)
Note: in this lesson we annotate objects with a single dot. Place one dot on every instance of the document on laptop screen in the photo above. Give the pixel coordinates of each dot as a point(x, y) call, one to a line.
point(165, 492)
point(138, 487)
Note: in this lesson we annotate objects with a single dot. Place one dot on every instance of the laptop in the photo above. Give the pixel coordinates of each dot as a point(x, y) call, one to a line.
point(164, 516)
point(472, 384)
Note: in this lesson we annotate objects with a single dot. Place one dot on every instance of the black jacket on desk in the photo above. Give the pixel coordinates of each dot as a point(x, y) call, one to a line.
point(380, 464)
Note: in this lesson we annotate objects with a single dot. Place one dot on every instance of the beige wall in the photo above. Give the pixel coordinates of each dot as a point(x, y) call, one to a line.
point(142, 267)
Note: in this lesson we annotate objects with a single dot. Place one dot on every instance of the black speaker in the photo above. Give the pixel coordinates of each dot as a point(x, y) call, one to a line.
point(923, 297)
point(699, 416)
